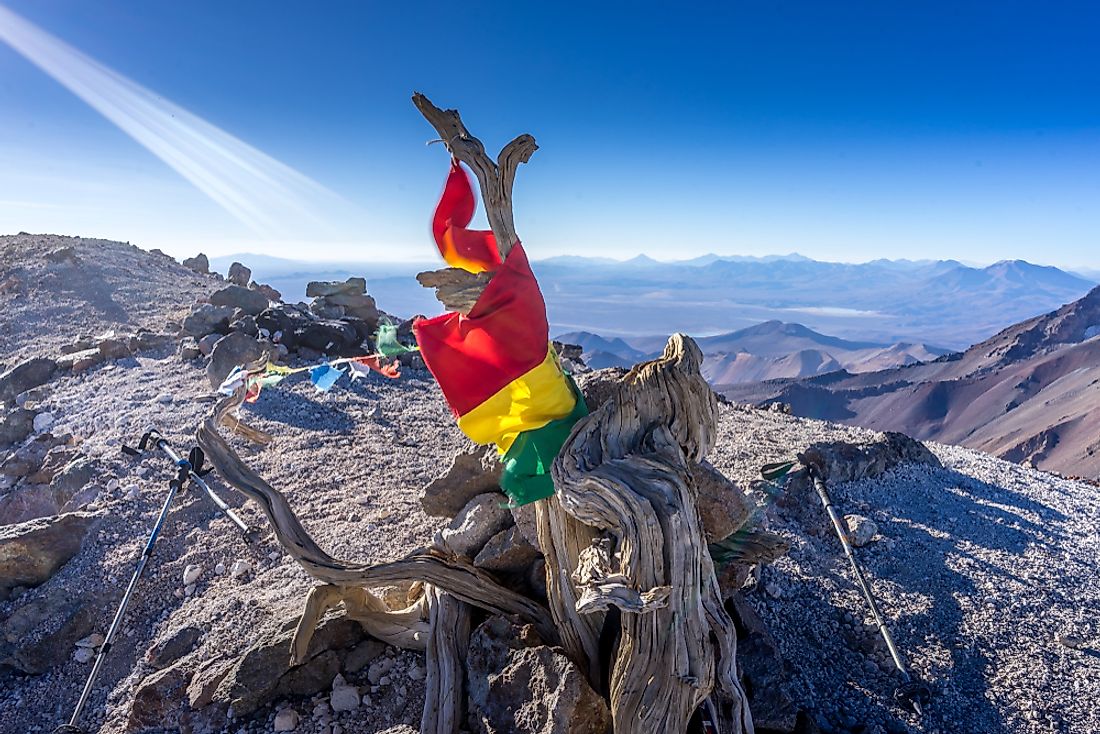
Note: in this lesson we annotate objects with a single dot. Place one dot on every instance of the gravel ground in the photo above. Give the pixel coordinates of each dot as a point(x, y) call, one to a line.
point(56, 289)
point(986, 570)
point(354, 457)
point(982, 569)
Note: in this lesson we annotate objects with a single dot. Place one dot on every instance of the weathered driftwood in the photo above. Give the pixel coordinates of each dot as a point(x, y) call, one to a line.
point(495, 178)
point(457, 289)
point(446, 664)
point(625, 471)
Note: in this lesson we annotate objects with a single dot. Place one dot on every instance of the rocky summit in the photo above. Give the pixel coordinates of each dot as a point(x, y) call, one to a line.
point(984, 569)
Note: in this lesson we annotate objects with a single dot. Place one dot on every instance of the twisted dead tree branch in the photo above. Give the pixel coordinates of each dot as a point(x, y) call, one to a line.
point(458, 289)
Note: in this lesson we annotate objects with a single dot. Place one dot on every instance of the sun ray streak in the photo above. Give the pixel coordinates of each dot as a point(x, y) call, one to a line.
point(267, 196)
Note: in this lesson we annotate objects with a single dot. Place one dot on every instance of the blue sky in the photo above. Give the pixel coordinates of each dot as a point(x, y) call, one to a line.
point(844, 131)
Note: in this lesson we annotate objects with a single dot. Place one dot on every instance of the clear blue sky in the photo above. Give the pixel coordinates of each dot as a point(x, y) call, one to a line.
point(841, 130)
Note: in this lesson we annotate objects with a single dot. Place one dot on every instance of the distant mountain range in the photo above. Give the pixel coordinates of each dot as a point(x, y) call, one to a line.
point(1031, 393)
point(883, 302)
point(766, 351)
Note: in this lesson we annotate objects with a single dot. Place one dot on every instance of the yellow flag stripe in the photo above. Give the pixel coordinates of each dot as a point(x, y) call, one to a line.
point(528, 402)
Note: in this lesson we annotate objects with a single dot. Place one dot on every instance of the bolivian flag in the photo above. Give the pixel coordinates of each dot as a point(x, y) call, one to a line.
point(496, 366)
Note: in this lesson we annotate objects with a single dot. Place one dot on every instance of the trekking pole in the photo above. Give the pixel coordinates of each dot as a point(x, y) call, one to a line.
point(911, 691)
point(191, 468)
point(71, 727)
point(186, 469)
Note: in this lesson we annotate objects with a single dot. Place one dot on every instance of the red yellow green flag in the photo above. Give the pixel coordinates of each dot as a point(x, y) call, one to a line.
point(496, 366)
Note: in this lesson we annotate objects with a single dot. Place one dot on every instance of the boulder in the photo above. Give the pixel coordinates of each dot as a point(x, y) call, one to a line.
point(55, 460)
point(206, 344)
point(230, 351)
point(146, 340)
point(206, 318)
point(281, 322)
point(507, 552)
point(324, 288)
point(330, 337)
point(114, 347)
point(80, 361)
point(264, 673)
point(188, 349)
point(74, 477)
point(199, 263)
point(723, 507)
point(16, 425)
point(245, 323)
point(518, 685)
point(239, 274)
point(31, 552)
point(160, 702)
point(28, 502)
point(41, 634)
point(240, 297)
point(474, 471)
point(25, 375)
point(269, 293)
point(171, 648)
point(28, 458)
point(483, 517)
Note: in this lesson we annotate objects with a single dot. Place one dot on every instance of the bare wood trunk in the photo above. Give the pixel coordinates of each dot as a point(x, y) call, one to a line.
point(446, 664)
point(625, 471)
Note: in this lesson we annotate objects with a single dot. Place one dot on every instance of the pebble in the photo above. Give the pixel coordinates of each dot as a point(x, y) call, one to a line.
point(416, 673)
point(240, 568)
point(191, 574)
point(274, 555)
point(112, 484)
point(83, 654)
point(93, 640)
point(133, 492)
point(345, 698)
point(42, 422)
point(1071, 641)
point(164, 397)
point(189, 589)
point(219, 569)
point(286, 720)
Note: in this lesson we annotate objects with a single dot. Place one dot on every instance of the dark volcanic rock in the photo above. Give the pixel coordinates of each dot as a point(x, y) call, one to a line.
point(16, 425)
point(199, 263)
point(31, 552)
point(518, 685)
point(239, 274)
point(206, 318)
point(170, 649)
point(330, 337)
point(237, 296)
point(230, 351)
point(24, 376)
point(474, 471)
point(42, 633)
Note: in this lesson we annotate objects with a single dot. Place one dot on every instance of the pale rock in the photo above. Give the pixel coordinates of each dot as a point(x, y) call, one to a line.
point(240, 568)
point(191, 574)
point(219, 568)
point(345, 698)
point(286, 720)
point(378, 669)
point(93, 640)
point(83, 655)
point(42, 422)
point(861, 530)
point(164, 398)
point(189, 589)
point(483, 517)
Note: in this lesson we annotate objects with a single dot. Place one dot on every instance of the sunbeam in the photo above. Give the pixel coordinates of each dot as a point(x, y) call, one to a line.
point(267, 196)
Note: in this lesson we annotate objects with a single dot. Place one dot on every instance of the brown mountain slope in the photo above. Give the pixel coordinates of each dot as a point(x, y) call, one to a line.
point(1030, 393)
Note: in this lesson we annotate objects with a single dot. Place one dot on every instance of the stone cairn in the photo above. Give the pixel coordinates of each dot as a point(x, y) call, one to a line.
point(245, 320)
point(596, 609)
